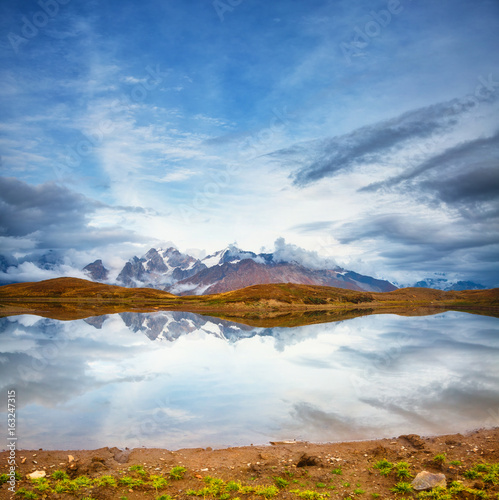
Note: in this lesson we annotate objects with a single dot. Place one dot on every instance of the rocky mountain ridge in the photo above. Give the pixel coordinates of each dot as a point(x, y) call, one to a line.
point(226, 270)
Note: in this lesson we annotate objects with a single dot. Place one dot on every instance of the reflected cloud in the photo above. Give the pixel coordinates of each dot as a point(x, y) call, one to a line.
point(178, 379)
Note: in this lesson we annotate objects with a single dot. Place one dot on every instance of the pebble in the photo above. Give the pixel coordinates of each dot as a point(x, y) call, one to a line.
point(37, 474)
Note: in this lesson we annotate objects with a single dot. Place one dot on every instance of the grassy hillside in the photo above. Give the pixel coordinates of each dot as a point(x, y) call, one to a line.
point(285, 303)
point(77, 288)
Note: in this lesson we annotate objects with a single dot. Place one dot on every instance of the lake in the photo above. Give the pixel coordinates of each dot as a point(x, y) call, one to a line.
point(176, 379)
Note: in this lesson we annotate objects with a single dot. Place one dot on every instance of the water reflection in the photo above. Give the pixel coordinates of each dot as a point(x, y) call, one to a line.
point(176, 379)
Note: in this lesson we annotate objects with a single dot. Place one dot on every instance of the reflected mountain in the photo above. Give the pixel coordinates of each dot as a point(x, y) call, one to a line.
point(177, 379)
point(170, 325)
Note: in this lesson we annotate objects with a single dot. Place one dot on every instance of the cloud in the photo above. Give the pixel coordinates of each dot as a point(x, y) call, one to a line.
point(50, 216)
point(26, 209)
point(285, 252)
point(374, 143)
point(466, 175)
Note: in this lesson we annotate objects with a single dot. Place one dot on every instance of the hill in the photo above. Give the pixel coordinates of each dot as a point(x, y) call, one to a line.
point(72, 298)
point(76, 288)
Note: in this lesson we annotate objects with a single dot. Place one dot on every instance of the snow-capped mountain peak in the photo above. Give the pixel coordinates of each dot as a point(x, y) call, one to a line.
point(228, 254)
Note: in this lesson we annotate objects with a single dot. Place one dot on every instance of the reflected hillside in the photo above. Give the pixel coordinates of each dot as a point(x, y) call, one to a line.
point(284, 304)
point(178, 379)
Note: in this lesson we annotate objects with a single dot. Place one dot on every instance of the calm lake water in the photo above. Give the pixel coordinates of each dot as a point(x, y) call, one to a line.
point(174, 379)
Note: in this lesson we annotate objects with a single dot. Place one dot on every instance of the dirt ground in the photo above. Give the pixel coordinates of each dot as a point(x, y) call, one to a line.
point(305, 470)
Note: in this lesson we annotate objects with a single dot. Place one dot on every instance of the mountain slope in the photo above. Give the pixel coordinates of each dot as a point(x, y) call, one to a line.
point(239, 274)
point(159, 268)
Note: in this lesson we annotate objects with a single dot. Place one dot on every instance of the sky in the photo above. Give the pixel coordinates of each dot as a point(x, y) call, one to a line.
point(366, 132)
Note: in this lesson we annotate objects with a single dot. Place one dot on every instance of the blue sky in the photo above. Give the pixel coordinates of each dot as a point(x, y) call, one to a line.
point(364, 131)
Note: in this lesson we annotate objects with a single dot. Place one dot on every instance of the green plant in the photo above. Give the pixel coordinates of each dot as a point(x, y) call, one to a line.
point(82, 481)
point(437, 493)
point(402, 487)
point(130, 482)
point(233, 486)
point(358, 491)
point(266, 491)
point(402, 470)
point(4, 478)
point(105, 481)
point(310, 494)
point(455, 462)
point(384, 466)
point(59, 474)
point(489, 473)
point(41, 485)
point(280, 482)
point(337, 471)
point(177, 472)
point(158, 482)
point(164, 497)
point(139, 469)
point(320, 485)
point(66, 486)
point(346, 485)
point(440, 458)
point(375, 495)
point(26, 493)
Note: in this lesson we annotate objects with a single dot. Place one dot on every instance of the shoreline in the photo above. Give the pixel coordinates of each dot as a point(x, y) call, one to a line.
point(303, 466)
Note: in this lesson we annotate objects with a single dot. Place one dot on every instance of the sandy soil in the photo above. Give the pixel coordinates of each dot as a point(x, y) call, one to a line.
point(304, 466)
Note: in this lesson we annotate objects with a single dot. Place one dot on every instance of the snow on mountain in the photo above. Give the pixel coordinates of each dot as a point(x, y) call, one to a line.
point(170, 325)
point(230, 254)
point(159, 269)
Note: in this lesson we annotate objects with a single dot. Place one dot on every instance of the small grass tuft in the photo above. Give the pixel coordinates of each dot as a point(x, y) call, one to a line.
point(440, 458)
point(59, 474)
point(281, 482)
point(384, 466)
point(402, 487)
point(177, 472)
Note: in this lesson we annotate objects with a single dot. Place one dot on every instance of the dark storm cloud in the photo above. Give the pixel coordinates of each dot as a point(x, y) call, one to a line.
point(466, 175)
point(25, 209)
point(53, 216)
point(372, 143)
point(407, 230)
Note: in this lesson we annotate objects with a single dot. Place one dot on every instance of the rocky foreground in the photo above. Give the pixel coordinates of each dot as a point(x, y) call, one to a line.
point(461, 466)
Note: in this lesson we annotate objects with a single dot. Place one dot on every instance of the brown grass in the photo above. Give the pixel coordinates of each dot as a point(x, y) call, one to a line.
point(284, 303)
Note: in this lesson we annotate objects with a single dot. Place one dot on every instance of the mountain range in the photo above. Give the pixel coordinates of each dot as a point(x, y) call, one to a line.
point(226, 270)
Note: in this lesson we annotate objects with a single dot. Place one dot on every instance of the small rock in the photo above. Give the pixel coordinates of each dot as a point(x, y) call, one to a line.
point(414, 439)
point(71, 458)
point(37, 474)
point(307, 461)
point(426, 481)
point(23, 460)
